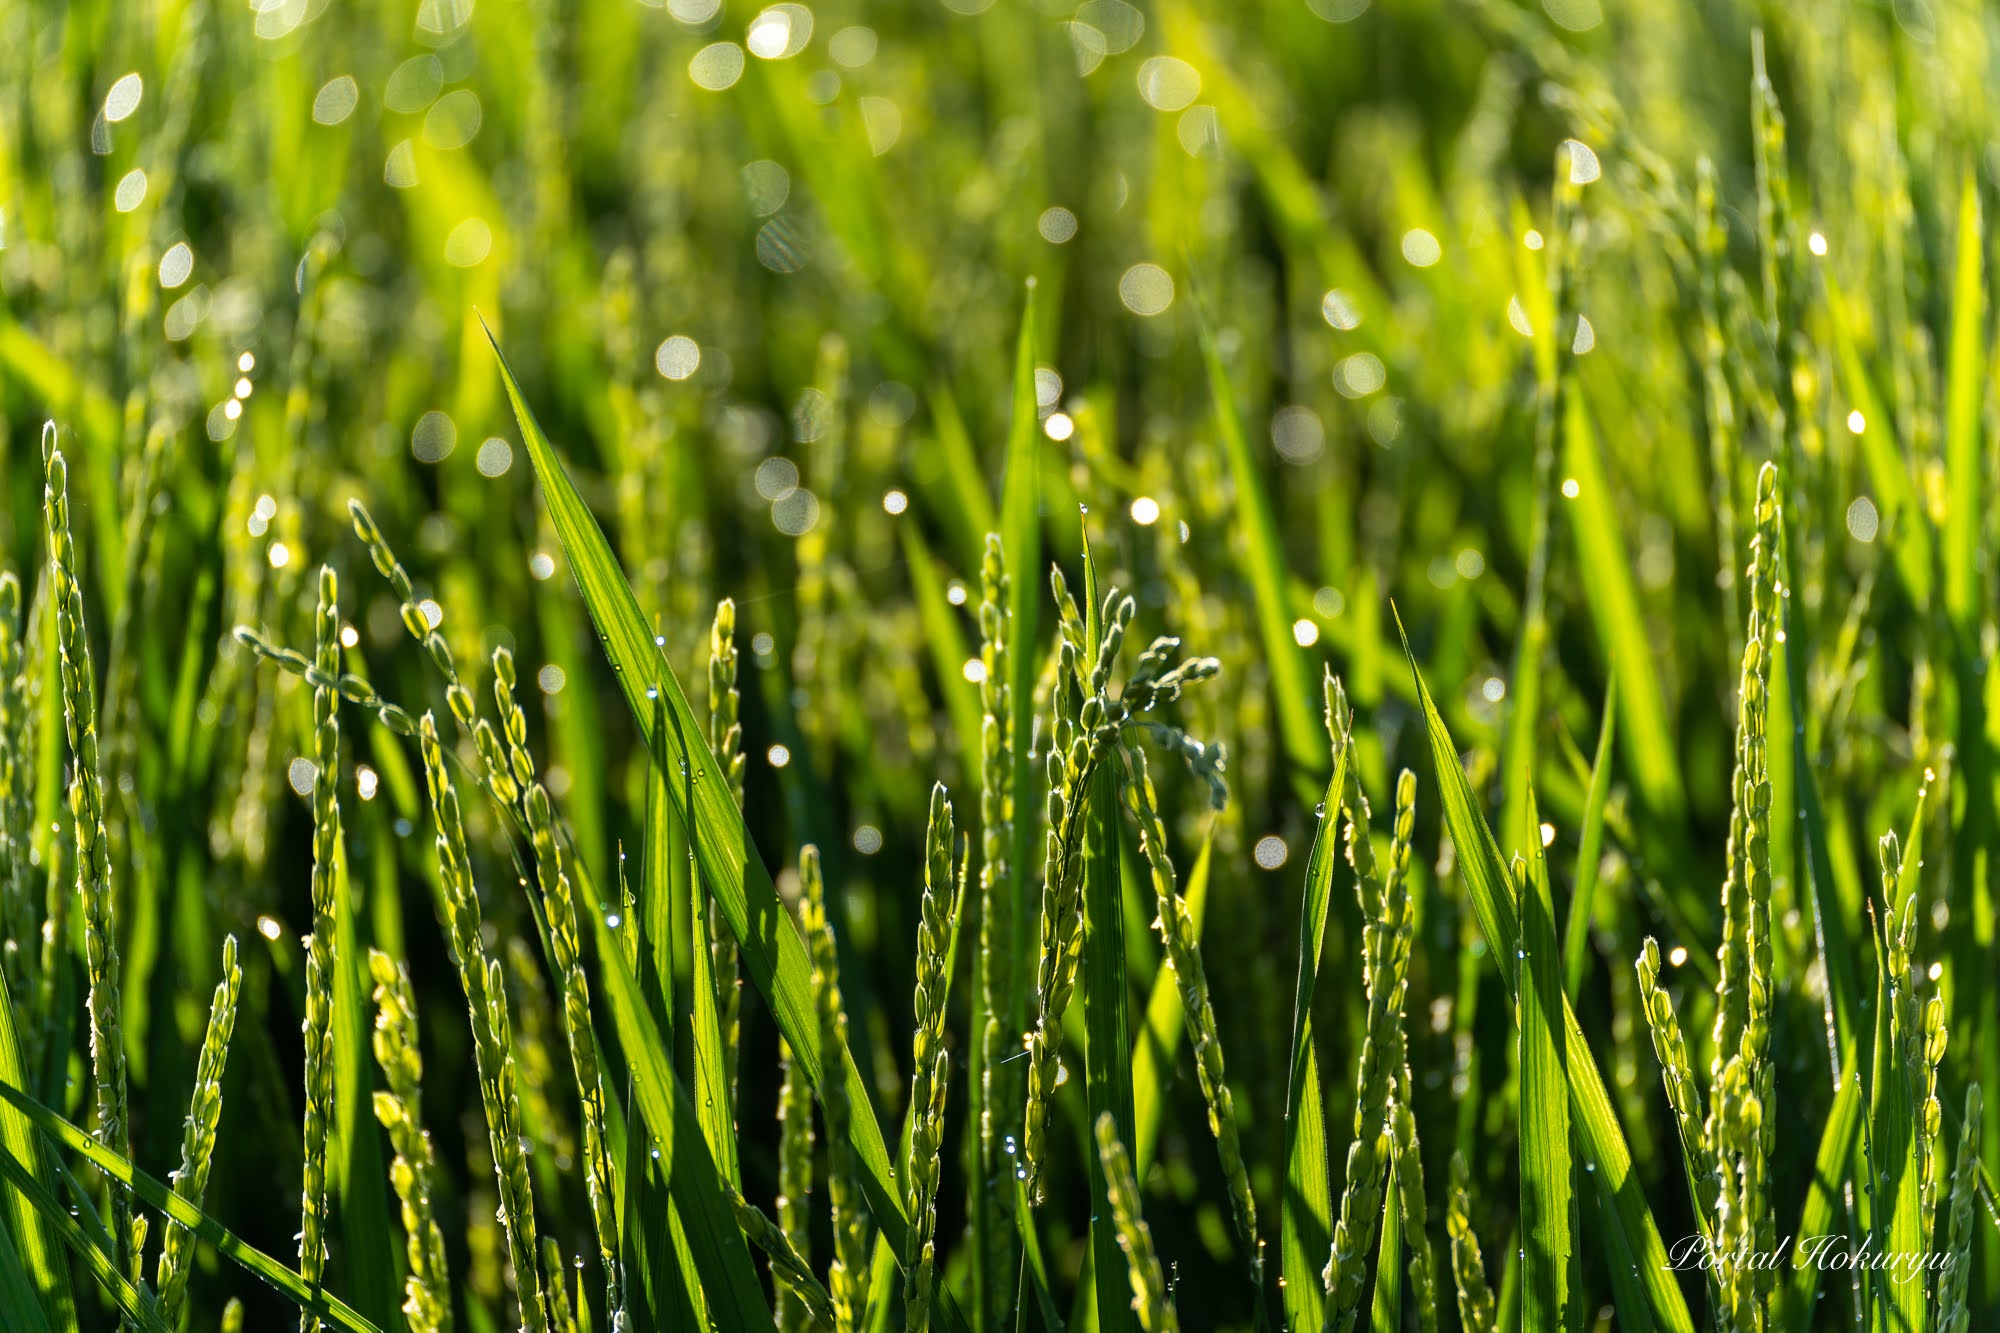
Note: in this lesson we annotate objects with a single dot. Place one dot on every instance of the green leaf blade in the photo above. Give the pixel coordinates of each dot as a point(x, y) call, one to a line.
point(1605, 1150)
point(157, 1195)
point(1547, 1201)
point(772, 953)
point(39, 1247)
point(694, 1181)
point(1306, 1220)
point(1108, 1072)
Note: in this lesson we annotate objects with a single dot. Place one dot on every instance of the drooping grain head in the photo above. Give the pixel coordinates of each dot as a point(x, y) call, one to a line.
point(1149, 1284)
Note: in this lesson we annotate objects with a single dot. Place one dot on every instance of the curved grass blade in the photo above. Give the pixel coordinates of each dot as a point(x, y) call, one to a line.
point(654, 959)
point(656, 1238)
point(17, 1294)
point(1385, 1306)
point(40, 1249)
point(1590, 845)
point(1021, 540)
point(1798, 1299)
point(1547, 1199)
point(772, 953)
point(1108, 1073)
point(82, 1206)
point(1630, 1235)
point(1033, 1272)
point(359, 1176)
point(137, 1306)
point(698, 1060)
point(1306, 1220)
point(156, 1195)
point(721, 1258)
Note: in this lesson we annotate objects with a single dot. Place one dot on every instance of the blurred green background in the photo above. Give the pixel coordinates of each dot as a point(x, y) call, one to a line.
point(761, 272)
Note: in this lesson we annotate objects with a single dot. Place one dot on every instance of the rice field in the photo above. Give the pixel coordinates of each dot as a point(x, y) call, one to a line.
point(998, 665)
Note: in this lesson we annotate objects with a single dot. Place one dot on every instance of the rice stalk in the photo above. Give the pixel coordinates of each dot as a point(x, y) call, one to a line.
point(93, 851)
point(795, 1172)
point(492, 1042)
point(1678, 1073)
point(1177, 933)
point(1088, 723)
point(929, 1063)
point(555, 876)
point(1354, 804)
point(1760, 1072)
point(788, 1265)
point(351, 687)
point(1081, 737)
point(1149, 1285)
point(1929, 1051)
point(997, 964)
point(1727, 1153)
point(399, 1108)
point(1386, 929)
point(1741, 998)
point(533, 1045)
point(562, 1316)
point(848, 1276)
point(515, 770)
point(1071, 760)
point(1738, 1116)
point(725, 741)
point(190, 1179)
point(414, 620)
point(1476, 1308)
point(1954, 1310)
point(318, 1026)
point(1406, 1153)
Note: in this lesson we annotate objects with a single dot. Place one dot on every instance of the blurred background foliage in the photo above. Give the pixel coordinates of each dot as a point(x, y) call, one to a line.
point(761, 272)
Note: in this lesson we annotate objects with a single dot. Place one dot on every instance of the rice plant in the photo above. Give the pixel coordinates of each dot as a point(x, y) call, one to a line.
point(656, 667)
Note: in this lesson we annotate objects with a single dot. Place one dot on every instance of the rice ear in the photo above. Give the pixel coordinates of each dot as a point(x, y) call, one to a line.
point(93, 853)
point(399, 1108)
point(319, 1071)
point(492, 1037)
point(198, 1138)
point(930, 1062)
point(847, 1279)
point(1476, 1308)
point(1149, 1285)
